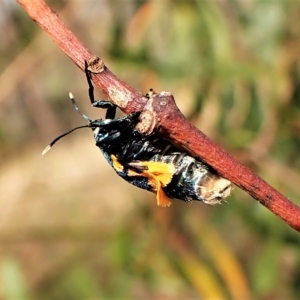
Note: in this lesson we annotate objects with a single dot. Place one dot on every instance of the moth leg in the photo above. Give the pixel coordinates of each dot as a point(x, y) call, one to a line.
point(105, 104)
point(142, 150)
point(90, 84)
point(111, 108)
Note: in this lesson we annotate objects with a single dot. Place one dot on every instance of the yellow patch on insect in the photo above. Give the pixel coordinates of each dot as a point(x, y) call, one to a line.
point(116, 165)
point(159, 175)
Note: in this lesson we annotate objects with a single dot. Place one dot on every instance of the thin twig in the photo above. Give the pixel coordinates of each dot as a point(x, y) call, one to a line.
point(173, 126)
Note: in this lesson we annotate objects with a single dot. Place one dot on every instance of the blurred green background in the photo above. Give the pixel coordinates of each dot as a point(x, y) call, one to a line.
point(71, 229)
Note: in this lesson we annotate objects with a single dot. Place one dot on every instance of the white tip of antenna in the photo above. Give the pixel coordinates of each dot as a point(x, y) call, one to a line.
point(71, 95)
point(46, 150)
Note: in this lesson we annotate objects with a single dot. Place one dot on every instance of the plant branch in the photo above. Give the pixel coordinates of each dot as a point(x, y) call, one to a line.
point(163, 113)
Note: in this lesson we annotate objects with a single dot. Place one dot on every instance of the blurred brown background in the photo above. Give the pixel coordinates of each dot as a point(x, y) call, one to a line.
point(70, 228)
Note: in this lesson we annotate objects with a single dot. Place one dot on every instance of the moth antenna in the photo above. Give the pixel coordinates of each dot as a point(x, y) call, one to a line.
point(77, 108)
point(61, 136)
point(46, 150)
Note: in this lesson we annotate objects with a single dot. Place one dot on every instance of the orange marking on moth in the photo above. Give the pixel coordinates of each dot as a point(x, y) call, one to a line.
point(116, 165)
point(159, 175)
point(162, 171)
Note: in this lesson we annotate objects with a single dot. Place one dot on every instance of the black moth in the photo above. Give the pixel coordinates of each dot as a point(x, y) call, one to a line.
point(149, 162)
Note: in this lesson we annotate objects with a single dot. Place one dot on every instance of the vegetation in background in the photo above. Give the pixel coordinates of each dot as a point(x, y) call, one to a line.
point(71, 229)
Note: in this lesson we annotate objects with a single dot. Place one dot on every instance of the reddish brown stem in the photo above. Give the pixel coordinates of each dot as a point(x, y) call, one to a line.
point(173, 125)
